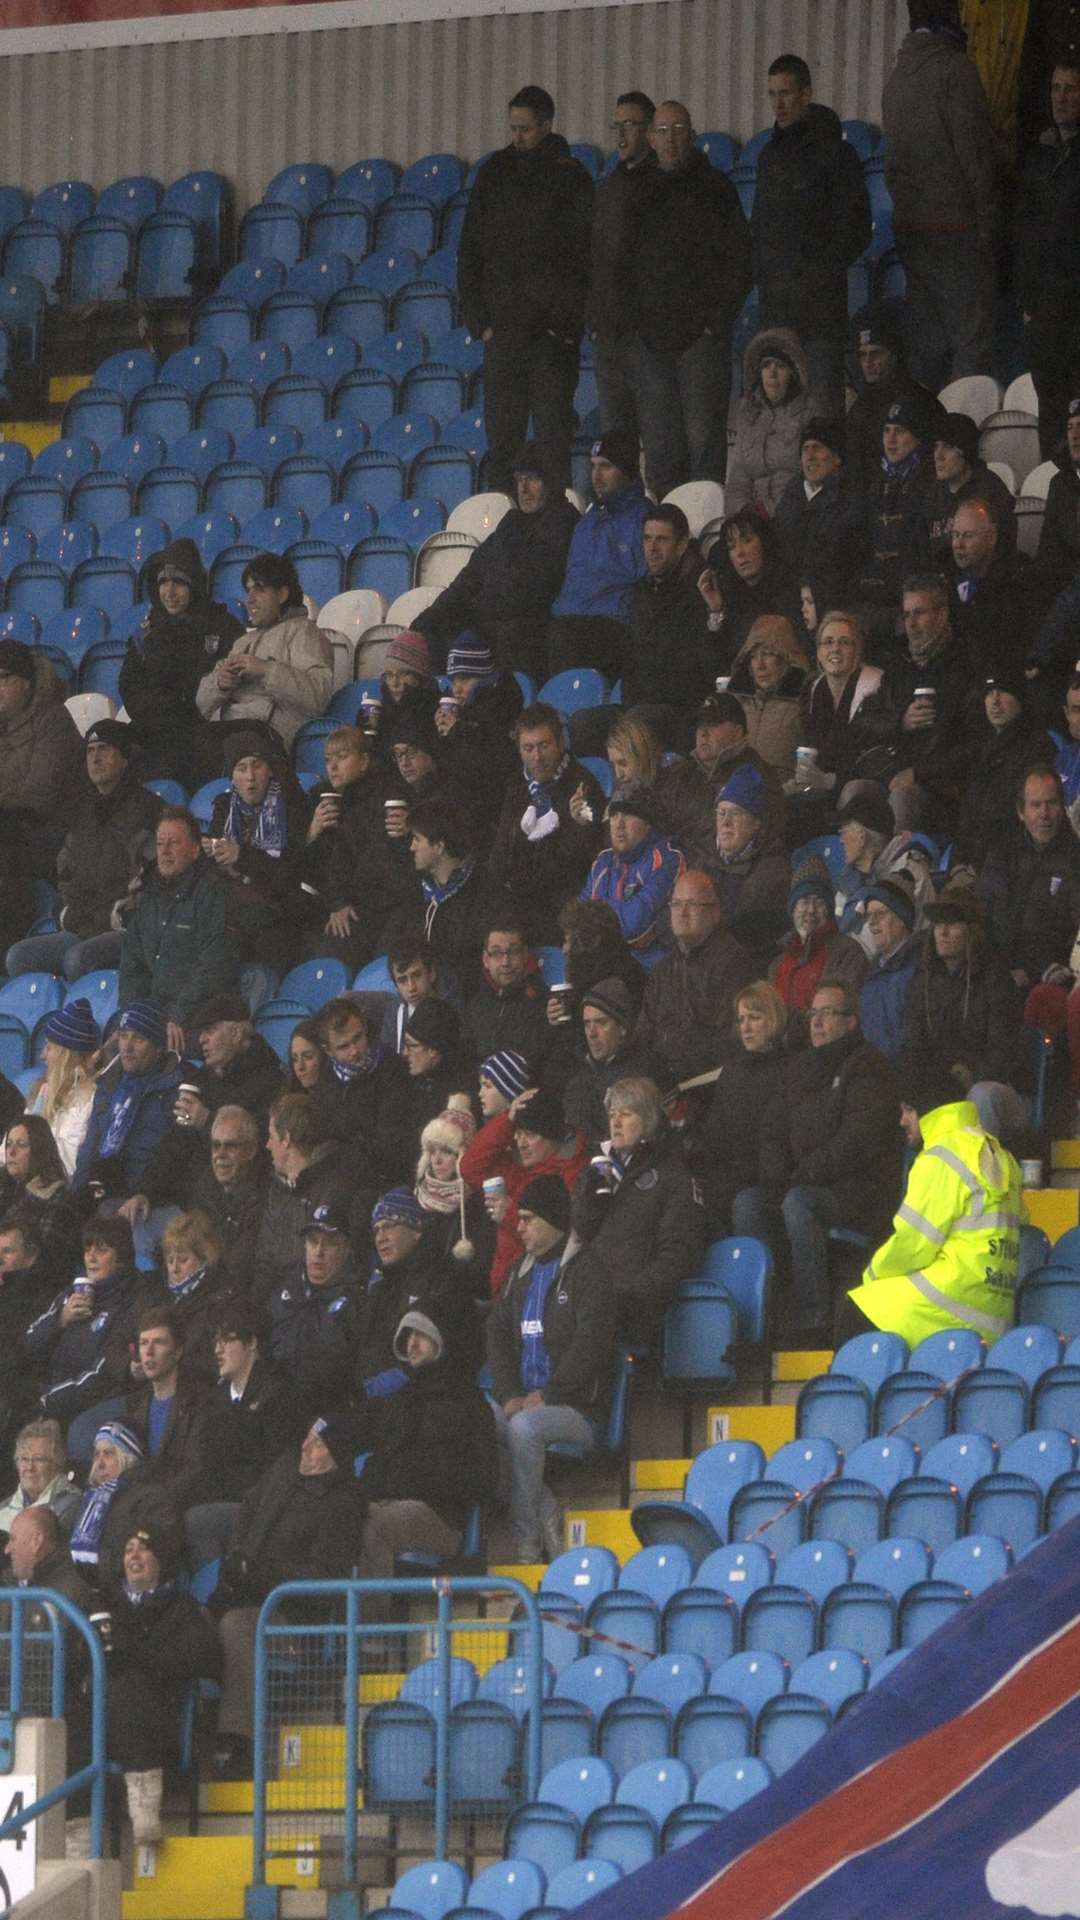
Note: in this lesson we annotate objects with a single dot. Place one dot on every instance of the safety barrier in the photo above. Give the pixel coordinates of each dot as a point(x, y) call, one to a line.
point(37, 1688)
point(363, 1720)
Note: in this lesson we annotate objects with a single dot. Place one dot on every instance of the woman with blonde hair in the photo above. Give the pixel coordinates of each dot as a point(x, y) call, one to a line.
point(191, 1256)
point(750, 1079)
point(634, 751)
point(65, 1094)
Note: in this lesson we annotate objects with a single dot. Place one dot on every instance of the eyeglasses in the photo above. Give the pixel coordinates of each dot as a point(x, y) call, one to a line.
point(622, 126)
point(504, 953)
point(828, 1013)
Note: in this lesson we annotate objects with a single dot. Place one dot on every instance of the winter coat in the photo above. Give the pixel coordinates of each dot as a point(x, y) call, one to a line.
point(885, 993)
point(611, 260)
point(670, 658)
point(110, 839)
point(367, 870)
point(389, 1292)
point(197, 1305)
point(1033, 894)
point(297, 686)
point(687, 792)
point(246, 1436)
point(691, 255)
point(1053, 649)
point(831, 727)
point(637, 887)
point(940, 755)
point(774, 721)
point(479, 755)
point(456, 927)
point(523, 256)
point(54, 1216)
point(61, 1496)
point(583, 1099)
point(252, 1081)
point(513, 576)
point(89, 1360)
point(606, 557)
point(896, 511)
point(182, 1462)
point(69, 1122)
point(1046, 230)
point(941, 505)
point(775, 591)
point(939, 142)
point(579, 1333)
point(972, 1015)
point(689, 1004)
point(866, 421)
point(329, 1179)
point(410, 1100)
point(163, 1641)
point(313, 1336)
point(753, 890)
point(177, 949)
point(729, 1143)
point(170, 654)
point(433, 1441)
point(490, 1153)
point(236, 1212)
point(827, 954)
point(996, 617)
point(292, 1526)
point(823, 539)
point(836, 1124)
point(42, 762)
point(1057, 561)
point(356, 1112)
point(644, 1238)
point(540, 876)
point(765, 457)
point(263, 901)
point(512, 1019)
point(154, 1095)
point(810, 222)
point(999, 762)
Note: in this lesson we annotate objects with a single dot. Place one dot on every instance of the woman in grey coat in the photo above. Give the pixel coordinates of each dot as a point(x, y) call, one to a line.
point(771, 415)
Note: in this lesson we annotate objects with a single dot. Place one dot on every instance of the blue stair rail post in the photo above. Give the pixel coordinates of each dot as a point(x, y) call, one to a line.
point(93, 1774)
point(262, 1901)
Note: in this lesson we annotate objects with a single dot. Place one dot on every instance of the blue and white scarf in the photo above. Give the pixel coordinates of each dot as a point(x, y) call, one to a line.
point(435, 895)
point(903, 469)
point(90, 1520)
point(265, 827)
point(540, 818)
point(348, 1070)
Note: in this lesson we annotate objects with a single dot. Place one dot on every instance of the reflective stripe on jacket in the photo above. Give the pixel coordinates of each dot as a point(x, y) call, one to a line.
point(953, 1254)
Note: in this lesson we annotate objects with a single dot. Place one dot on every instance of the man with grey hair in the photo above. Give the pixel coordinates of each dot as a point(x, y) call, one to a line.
point(686, 1017)
point(919, 709)
point(43, 1478)
point(231, 1190)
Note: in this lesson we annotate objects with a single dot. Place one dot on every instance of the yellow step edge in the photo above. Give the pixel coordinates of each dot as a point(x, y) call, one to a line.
point(217, 1864)
point(793, 1364)
point(602, 1527)
point(1054, 1209)
point(1063, 1153)
point(221, 1903)
point(530, 1575)
point(63, 385)
point(34, 434)
point(771, 1427)
point(658, 1476)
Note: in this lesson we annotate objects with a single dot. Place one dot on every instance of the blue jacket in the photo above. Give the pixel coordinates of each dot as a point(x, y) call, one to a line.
point(606, 557)
point(884, 997)
point(1067, 764)
point(637, 886)
point(155, 1095)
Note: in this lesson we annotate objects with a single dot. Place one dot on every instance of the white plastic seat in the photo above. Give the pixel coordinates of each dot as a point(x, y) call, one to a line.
point(354, 612)
point(86, 708)
point(700, 500)
point(479, 514)
point(1012, 435)
point(1020, 393)
point(1004, 473)
point(403, 611)
point(1037, 484)
point(442, 557)
point(975, 394)
point(1030, 511)
point(371, 649)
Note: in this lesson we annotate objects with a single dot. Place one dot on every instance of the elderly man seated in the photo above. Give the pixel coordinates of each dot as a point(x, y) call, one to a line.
point(177, 947)
point(686, 1015)
point(750, 870)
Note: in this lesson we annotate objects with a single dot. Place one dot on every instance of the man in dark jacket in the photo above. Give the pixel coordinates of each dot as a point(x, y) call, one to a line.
point(1031, 883)
point(1046, 255)
point(605, 560)
point(961, 475)
point(310, 1169)
point(670, 658)
point(550, 828)
point(432, 1445)
point(688, 1015)
point(231, 1191)
point(509, 1010)
point(611, 1053)
point(110, 838)
point(881, 349)
point(927, 752)
point(408, 1270)
point(184, 634)
point(313, 1316)
point(1004, 745)
point(132, 1109)
point(689, 789)
point(257, 842)
point(523, 265)
point(1057, 562)
point(821, 517)
point(240, 1069)
point(691, 273)
point(611, 263)
point(167, 1411)
point(351, 1094)
point(997, 603)
point(459, 899)
point(300, 1521)
point(830, 1154)
point(550, 1344)
point(251, 1415)
point(750, 870)
point(80, 1345)
point(810, 223)
point(965, 1011)
point(177, 949)
point(504, 592)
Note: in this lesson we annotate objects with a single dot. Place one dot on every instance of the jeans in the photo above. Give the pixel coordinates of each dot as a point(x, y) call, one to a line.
point(64, 953)
point(805, 1214)
point(613, 367)
point(682, 406)
point(525, 376)
point(534, 1510)
point(950, 296)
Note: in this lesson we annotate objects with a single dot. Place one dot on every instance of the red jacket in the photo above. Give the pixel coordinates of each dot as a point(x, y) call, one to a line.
point(492, 1152)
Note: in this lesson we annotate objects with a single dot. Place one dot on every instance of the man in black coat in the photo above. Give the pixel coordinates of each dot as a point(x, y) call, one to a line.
point(239, 1069)
point(688, 1014)
point(670, 657)
point(508, 1011)
point(611, 1052)
point(408, 1270)
point(310, 1169)
point(351, 1095)
point(927, 752)
point(821, 517)
point(550, 828)
point(504, 592)
point(810, 222)
point(611, 261)
point(523, 266)
point(881, 350)
point(231, 1191)
point(1046, 253)
point(459, 899)
point(251, 1415)
point(313, 1315)
point(1031, 883)
point(830, 1155)
point(691, 271)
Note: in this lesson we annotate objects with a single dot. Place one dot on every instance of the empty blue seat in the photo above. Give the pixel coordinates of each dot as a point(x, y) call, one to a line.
point(700, 1621)
point(426, 306)
point(98, 412)
point(302, 185)
point(1052, 1296)
point(199, 451)
point(387, 269)
point(36, 587)
point(1042, 1454)
point(100, 261)
point(579, 1785)
point(406, 220)
point(267, 447)
point(434, 387)
point(34, 249)
point(961, 1458)
point(344, 525)
point(274, 529)
point(1029, 1350)
point(444, 473)
point(1062, 1502)
point(700, 1521)
point(224, 321)
point(895, 1564)
point(64, 546)
point(253, 281)
point(737, 1570)
point(595, 1680)
point(927, 1607)
point(975, 1562)
point(780, 1620)
point(64, 204)
point(237, 487)
point(508, 1889)
point(817, 1566)
point(405, 435)
point(357, 312)
point(36, 503)
point(423, 1683)
point(341, 225)
point(170, 493)
point(383, 564)
point(132, 455)
point(581, 1881)
point(134, 540)
point(272, 230)
point(327, 358)
point(371, 181)
point(860, 1615)
point(994, 1401)
point(105, 582)
point(306, 483)
point(430, 1889)
point(261, 362)
point(731, 1783)
point(914, 1397)
point(99, 671)
point(211, 532)
point(925, 1508)
point(413, 521)
point(15, 461)
point(582, 1573)
point(16, 545)
point(295, 400)
point(838, 1407)
point(575, 688)
point(436, 175)
point(22, 313)
point(1056, 1399)
point(834, 1675)
point(871, 1358)
point(375, 478)
point(20, 626)
point(720, 150)
point(166, 256)
point(229, 406)
point(788, 1727)
point(132, 199)
point(365, 395)
point(712, 1730)
point(321, 567)
point(228, 570)
point(162, 408)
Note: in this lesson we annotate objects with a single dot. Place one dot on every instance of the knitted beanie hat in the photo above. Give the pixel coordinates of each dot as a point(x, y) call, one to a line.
point(508, 1071)
point(409, 651)
point(73, 1027)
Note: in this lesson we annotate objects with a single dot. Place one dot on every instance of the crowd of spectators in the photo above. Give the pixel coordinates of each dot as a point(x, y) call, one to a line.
point(223, 1279)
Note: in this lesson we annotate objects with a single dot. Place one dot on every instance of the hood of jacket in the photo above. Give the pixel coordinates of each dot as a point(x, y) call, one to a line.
point(782, 639)
point(923, 49)
point(772, 341)
point(46, 692)
point(820, 125)
point(183, 554)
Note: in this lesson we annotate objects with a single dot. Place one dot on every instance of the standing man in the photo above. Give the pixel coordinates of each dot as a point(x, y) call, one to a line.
point(1046, 256)
point(691, 273)
point(614, 211)
point(523, 269)
point(810, 222)
point(940, 170)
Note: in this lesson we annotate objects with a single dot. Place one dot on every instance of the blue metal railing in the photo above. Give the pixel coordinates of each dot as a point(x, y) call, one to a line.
point(447, 1589)
point(45, 1600)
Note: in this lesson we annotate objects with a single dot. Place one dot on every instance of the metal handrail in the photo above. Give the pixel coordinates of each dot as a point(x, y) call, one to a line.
point(446, 1588)
point(93, 1774)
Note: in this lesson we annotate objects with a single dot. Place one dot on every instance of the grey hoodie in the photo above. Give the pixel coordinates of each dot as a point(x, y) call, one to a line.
point(939, 143)
point(766, 451)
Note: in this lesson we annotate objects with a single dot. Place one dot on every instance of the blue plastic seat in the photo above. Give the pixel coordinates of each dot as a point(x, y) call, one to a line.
point(211, 532)
point(671, 1680)
point(566, 1731)
point(731, 1783)
point(1062, 1502)
point(507, 1681)
point(63, 546)
point(16, 625)
point(961, 1458)
point(99, 671)
point(335, 442)
point(781, 1620)
point(925, 1507)
point(15, 461)
point(302, 185)
point(834, 1675)
point(66, 460)
point(252, 281)
point(838, 1407)
point(407, 220)
point(101, 989)
point(405, 435)
point(30, 996)
point(862, 1616)
point(595, 1680)
point(426, 306)
point(344, 525)
point(17, 544)
point(467, 431)
point(341, 224)
point(895, 1564)
point(544, 1835)
point(366, 396)
point(817, 1566)
point(450, 224)
point(199, 451)
point(577, 687)
point(321, 567)
point(357, 312)
point(927, 1607)
point(273, 529)
point(267, 447)
point(621, 1836)
point(99, 413)
point(224, 321)
point(35, 249)
point(169, 493)
point(1029, 1350)
point(632, 1619)
point(37, 587)
point(975, 1562)
point(700, 1521)
point(1056, 1400)
point(581, 1574)
point(105, 581)
point(228, 570)
point(22, 313)
point(134, 455)
point(913, 1397)
point(871, 1358)
point(387, 269)
point(443, 473)
point(296, 400)
point(74, 630)
point(381, 563)
point(272, 230)
point(442, 266)
point(371, 181)
point(994, 1401)
point(14, 1046)
point(788, 1727)
point(305, 482)
point(657, 1572)
point(431, 1889)
point(133, 540)
point(711, 1730)
point(101, 499)
point(884, 1667)
point(721, 150)
point(581, 1881)
point(132, 199)
point(315, 982)
point(230, 407)
point(35, 502)
point(483, 1757)
point(276, 1019)
point(436, 175)
point(702, 1622)
point(412, 521)
point(327, 358)
point(1051, 1296)
point(770, 1510)
point(1066, 1251)
point(508, 1889)
point(206, 199)
point(737, 1570)
point(321, 276)
point(374, 478)
point(579, 1785)
point(437, 388)
point(1044, 1454)
point(163, 408)
point(166, 256)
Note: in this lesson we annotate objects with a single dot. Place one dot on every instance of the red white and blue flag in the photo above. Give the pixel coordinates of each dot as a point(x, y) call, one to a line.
point(951, 1792)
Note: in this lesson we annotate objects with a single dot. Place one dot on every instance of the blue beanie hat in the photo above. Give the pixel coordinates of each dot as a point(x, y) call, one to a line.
point(143, 1017)
point(745, 788)
point(119, 1434)
point(402, 1205)
point(73, 1027)
point(508, 1071)
point(813, 881)
point(468, 655)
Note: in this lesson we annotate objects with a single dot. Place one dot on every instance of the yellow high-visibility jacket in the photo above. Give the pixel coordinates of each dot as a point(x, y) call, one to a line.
point(953, 1255)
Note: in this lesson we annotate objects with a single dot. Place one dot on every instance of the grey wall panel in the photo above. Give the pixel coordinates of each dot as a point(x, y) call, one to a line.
point(248, 105)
